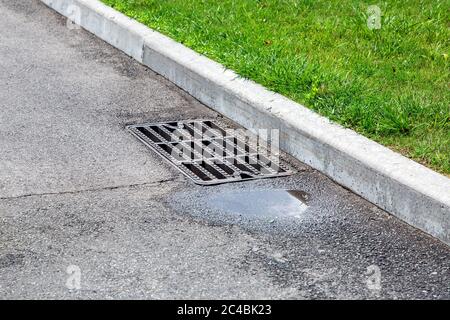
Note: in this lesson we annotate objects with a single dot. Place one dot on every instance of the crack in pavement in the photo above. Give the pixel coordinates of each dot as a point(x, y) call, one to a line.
point(88, 190)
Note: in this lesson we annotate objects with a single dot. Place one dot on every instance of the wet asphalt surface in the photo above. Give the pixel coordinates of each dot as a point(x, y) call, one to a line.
point(76, 189)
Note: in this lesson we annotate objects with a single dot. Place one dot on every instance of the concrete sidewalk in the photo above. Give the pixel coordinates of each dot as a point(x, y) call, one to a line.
point(77, 190)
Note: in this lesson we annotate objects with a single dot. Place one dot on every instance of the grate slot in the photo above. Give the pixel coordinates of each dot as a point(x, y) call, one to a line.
point(265, 165)
point(211, 168)
point(244, 166)
point(225, 168)
point(196, 170)
point(208, 126)
point(170, 136)
point(193, 150)
point(153, 137)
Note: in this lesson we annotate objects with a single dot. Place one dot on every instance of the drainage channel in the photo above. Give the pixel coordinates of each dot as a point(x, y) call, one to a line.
point(210, 154)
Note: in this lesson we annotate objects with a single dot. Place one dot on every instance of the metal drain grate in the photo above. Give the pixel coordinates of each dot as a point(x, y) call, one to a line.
point(209, 154)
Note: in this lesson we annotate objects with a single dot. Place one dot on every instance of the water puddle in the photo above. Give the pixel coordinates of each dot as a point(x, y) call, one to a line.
point(262, 203)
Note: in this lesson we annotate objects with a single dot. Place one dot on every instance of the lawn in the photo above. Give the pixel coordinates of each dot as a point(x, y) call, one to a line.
point(390, 84)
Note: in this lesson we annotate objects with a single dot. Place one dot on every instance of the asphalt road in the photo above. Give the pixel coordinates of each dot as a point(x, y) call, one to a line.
point(87, 211)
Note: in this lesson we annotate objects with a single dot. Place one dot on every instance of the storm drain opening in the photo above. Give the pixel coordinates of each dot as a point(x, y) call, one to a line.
point(210, 154)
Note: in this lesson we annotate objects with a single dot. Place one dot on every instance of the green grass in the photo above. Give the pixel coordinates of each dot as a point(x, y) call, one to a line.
point(389, 84)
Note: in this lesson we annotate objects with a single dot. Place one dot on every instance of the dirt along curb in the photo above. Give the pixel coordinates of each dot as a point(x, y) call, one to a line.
point(404, 188)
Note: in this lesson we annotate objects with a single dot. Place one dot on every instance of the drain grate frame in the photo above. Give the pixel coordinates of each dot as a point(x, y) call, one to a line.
point(208, 160)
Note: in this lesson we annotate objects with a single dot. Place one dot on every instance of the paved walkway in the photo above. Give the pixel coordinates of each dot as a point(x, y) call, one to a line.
point(80, 194)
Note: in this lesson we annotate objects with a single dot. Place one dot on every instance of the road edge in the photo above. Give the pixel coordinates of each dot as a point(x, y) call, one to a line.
point(402, 187)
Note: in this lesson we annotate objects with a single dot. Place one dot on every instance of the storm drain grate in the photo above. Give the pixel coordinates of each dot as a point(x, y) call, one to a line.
point(210, 154)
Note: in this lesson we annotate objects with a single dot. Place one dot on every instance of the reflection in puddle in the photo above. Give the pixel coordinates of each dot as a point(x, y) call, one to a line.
point(262, 203)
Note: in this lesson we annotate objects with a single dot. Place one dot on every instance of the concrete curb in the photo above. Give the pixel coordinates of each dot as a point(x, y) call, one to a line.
point(404, 188)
